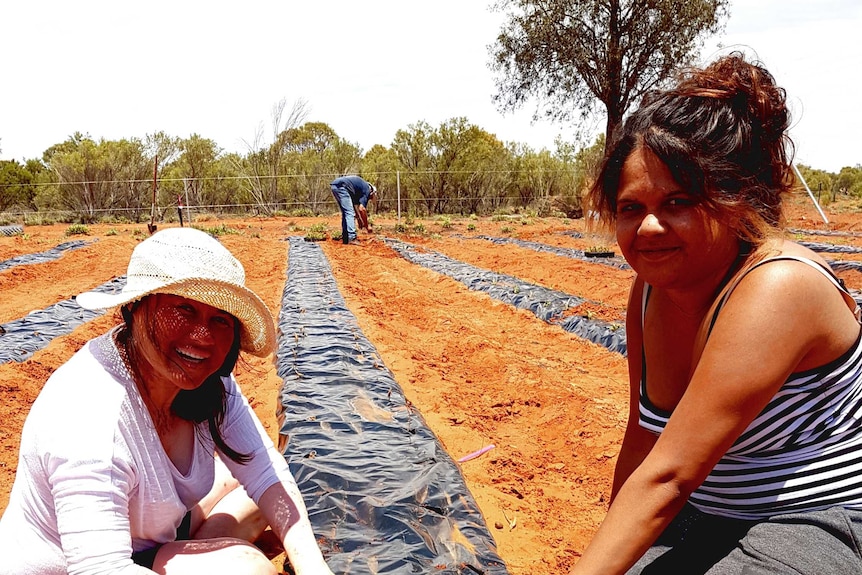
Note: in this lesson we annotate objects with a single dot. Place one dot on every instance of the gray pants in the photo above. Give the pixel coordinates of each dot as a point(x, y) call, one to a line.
point(825, 542)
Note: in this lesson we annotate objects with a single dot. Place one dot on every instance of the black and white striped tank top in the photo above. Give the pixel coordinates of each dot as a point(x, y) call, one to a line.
point(803, 452)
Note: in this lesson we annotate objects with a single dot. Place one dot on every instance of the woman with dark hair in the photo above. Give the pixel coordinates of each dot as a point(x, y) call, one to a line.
point(141, 453)
point(743, 449)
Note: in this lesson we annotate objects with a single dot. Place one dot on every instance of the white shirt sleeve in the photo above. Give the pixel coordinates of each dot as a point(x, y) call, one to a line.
point(88, 471)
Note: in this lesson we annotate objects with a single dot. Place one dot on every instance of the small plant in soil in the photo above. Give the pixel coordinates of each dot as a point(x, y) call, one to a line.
point(316, 233)
point(599, 252)
point(77, 230)
point(217, 231)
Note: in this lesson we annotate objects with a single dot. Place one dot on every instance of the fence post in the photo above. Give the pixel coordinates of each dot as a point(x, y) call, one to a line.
point(810, 195)
point(398, 187)
point(188, 206)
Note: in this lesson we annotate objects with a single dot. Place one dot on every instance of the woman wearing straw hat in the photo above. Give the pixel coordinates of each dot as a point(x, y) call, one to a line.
point(141, 454)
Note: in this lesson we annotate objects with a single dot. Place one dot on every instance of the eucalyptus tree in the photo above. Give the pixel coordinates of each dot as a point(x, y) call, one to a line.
point(849, 180)
point(451, 143)
point(413, 149)
point(576, 56)
point(262, 166)
point(314, 154)
point(224, 183)
point(455, 167)
point(482, 171)
point(578, 171)
point(381, 167)
point(189, 174)
point(536, 177)
point(820, 182)
point(96, 179)
point(128, 170)
point(17, 189)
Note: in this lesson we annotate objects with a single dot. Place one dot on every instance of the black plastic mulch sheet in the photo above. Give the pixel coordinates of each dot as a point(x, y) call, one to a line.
point(383, 496)
point(46, 256)
point(830, 248)
point(14, 230)
point(837, 265)
point(547, 304)
point(824, 233)
point(566, 252)
point(20, 338)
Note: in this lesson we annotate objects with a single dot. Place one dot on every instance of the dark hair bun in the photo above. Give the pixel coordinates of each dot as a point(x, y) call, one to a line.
point(749, 87)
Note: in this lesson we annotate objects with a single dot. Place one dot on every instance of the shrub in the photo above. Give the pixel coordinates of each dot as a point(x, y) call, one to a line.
point(302, 213)
point(316, 233)
point(217, 231)
point(77, 230)
point(38, 220)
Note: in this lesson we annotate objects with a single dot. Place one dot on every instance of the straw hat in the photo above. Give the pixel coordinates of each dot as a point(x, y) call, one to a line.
point(193, 264)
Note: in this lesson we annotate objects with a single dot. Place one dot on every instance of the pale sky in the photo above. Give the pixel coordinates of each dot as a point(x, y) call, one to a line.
point(117, 69)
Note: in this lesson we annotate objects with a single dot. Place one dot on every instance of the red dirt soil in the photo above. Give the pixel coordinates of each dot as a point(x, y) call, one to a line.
point(481, 372)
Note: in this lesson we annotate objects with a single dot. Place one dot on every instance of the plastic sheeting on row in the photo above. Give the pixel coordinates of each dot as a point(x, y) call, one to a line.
point(21, 338)
point(13, 230)
point(824, 233)
point(547, 304)
point(843, 266)
point(830, 248)
point(41, 257)
point(382, 494)
point(565, 252)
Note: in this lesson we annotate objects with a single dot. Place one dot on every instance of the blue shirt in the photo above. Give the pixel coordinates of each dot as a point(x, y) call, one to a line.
point(359, 189)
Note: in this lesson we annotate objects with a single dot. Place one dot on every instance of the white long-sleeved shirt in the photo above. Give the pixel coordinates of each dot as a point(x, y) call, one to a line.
point(94, 483)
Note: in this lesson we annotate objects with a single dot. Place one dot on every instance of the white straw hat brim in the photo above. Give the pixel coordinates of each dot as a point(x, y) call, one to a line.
point(257, 331)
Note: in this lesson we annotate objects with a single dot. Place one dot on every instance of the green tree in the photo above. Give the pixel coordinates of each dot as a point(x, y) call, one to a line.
point(481, 173)
point(16, 186)
point(188, 174)
point(381, 167)
point(579, 167)
point(819, 182)
point(98, 179)
point(128, 175)
point(262, 166)
point(314, 155)
point(536, 177)
point(572, 55)
point(413, 148)
point(849, 181)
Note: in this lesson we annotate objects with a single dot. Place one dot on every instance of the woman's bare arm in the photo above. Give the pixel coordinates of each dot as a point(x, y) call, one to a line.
point(289, 520)
point(768, 328)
